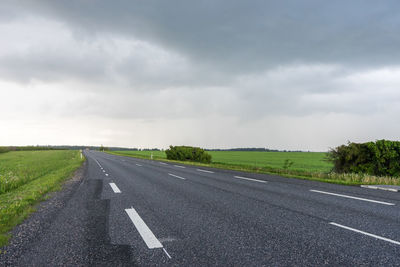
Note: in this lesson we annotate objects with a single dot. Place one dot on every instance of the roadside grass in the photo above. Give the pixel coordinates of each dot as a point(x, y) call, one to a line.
point(25, 179)
point(301, 165)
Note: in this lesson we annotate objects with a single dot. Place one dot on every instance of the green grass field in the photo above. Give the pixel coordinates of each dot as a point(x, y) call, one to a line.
point(26, 177)
point(303, 161)
point(305, 165)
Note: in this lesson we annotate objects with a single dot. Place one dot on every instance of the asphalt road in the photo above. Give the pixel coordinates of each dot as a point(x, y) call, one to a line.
point(129, 211)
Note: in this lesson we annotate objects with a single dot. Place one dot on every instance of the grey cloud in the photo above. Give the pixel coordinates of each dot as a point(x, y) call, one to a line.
point(53, 54)
point(50, 66)
point(244, 36)
point(257, 69)
point(214, 42)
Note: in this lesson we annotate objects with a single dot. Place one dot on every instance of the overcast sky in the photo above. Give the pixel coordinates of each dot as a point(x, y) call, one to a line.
point(305, 75)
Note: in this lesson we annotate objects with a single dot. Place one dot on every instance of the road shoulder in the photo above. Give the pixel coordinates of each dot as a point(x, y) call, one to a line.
point(69, 228)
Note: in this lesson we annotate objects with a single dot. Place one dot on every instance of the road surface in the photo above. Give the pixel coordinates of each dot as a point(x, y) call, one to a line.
point(130, 211)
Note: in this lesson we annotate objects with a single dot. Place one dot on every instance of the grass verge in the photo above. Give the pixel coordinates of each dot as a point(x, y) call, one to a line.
point(25, 179)
point(314, 175)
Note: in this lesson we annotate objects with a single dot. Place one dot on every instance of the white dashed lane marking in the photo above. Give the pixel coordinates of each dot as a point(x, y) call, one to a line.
point(365, 233)
point(200, 170)
point(351, 197)
point(115, 188)
point(250, 179)
point(173, 175)
point(178, 166)
point(149, 238)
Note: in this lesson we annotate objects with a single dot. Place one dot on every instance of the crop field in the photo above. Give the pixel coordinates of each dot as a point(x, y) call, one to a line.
point(303, 161)
point(303, 165)
point(306, 161)
point(25, 178)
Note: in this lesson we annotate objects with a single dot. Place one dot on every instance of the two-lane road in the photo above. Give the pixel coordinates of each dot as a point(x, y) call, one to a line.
point(175, 214)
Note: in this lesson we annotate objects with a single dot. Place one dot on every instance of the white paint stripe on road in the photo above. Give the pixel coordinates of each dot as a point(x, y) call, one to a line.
point(176, 176)
point(165, 251)
point(149, 238)
point(163, 163)
point(380, 188)
point(106, 174)
point(104, 171)
point(180, 166)
point(358, 198)
point(365, 233)
point(250, 179)
point(115, 188)
point(139, 165)
point(200, 170)
point(98, 163)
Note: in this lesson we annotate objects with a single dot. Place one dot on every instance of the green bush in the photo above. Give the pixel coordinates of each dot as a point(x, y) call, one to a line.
point(381, 158)
point(188, 153)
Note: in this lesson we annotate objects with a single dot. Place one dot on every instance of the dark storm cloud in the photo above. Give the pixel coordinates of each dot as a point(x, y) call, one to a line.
point(246, 36)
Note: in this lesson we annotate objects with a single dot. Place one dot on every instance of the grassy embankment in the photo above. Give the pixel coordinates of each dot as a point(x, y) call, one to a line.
point(26, 177)
point(303, 165)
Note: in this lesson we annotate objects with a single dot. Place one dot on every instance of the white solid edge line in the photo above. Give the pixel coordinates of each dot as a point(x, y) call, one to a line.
point(250, 179)
point(165, 251)
point(179, 166)
point(365, 233)
point(115, 188)
point(200, 170)
point(176, 176)
point(138, 165)
point(163, 163)
point(358, 198)
point(148, 237)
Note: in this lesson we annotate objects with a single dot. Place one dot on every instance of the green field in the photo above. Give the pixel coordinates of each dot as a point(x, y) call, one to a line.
point(25, 178)
point(303, 161)
point(306, 161)
point(305, 165)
